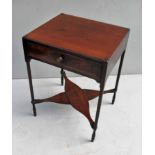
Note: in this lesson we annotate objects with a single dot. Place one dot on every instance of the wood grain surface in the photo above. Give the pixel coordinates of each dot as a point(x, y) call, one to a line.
point(78, 35)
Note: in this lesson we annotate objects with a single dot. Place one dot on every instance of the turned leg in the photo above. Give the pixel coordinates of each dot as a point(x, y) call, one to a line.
point(118, 77)
point(31, 87)
point(62, 78)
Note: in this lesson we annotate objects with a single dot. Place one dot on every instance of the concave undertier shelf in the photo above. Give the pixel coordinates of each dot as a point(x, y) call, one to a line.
point(76, 97)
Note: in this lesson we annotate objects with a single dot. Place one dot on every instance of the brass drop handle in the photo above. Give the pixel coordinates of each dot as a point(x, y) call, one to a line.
point(60, 59)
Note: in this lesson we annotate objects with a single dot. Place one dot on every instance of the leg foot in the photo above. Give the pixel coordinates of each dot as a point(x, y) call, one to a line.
point(113, 99)
point(34, 111)
point(93, 136)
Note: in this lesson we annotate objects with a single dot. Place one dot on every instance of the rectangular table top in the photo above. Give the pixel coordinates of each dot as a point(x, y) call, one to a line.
point(81, 36)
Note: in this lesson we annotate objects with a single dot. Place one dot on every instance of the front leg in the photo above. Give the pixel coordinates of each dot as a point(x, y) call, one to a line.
point(31, 86)
point(118, 77)
point(102, 84)
point(97, 111)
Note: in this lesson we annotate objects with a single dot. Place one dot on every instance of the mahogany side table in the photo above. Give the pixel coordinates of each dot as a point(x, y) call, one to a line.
point(89, 48)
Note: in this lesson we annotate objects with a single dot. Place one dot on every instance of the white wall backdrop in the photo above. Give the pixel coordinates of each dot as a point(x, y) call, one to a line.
point(28, 14)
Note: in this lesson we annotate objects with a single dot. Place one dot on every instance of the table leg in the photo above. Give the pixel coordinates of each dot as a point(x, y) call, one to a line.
point(118, 77)
point(31, 87)
point(62, 78)
point(102, 84)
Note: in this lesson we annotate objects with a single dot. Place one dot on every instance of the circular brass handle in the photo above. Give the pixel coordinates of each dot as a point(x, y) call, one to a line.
point(60, 59)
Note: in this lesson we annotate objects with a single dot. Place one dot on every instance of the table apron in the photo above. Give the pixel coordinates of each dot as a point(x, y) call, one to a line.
point(60, 58)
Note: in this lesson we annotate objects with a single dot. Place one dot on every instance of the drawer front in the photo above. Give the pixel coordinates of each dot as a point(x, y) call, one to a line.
point(64, 60)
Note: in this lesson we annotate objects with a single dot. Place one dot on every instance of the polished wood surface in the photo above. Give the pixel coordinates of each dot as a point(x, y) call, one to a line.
point(60, 58)
point(78, 99)
point(80, 45)
point(80, 36)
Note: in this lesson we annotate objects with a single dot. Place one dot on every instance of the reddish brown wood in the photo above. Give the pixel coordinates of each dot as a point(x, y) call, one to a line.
point(62, 99)
point(59, 98)
point(77, 98)
point(91, 94)
point(87, 67)
point(83, 46)
point(86, 37)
